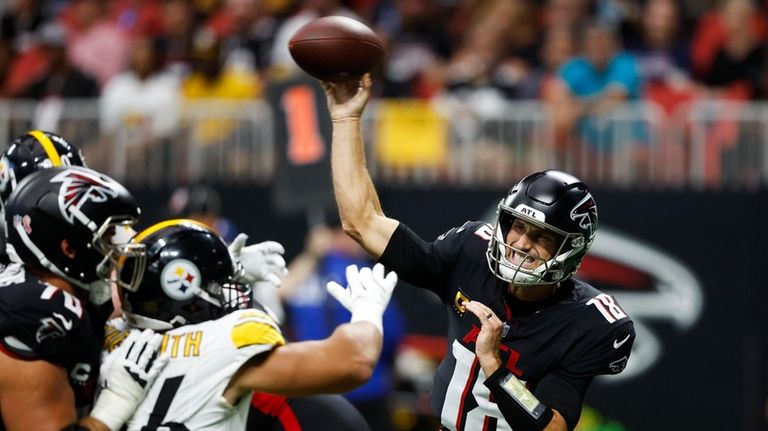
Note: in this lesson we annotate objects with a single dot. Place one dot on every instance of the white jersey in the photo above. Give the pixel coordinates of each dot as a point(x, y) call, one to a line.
point(204, 357)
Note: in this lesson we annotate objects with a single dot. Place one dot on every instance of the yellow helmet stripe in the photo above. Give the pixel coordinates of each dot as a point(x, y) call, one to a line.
point(45, 141)
point(164, 224)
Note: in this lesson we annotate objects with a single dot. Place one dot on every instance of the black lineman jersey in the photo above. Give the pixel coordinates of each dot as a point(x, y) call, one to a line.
point(555, 346)
point(40, 321)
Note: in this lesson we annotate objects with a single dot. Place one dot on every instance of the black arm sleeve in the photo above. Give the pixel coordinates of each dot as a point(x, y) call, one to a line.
point(415, 261)
point(520, 408)
point(554, 392)
point(564, 394)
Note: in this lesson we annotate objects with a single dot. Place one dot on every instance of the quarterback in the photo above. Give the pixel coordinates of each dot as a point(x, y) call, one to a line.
point(534, 338)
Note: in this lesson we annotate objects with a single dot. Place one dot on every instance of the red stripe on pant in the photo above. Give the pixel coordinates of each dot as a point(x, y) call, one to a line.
point(276, 406)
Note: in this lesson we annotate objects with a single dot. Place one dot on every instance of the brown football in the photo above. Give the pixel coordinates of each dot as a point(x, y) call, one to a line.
point(336, 48)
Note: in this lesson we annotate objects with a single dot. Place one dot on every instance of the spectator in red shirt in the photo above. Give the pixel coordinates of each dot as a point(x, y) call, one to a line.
point(96, 44)
point(60, 79)
point(736, 64)
point(730, 31)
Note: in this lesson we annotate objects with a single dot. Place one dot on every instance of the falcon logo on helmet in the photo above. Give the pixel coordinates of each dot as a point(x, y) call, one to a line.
point(79, 187)
point(585, 214)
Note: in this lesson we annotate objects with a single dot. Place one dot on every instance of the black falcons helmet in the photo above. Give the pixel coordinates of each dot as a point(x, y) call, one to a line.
point(189, 277)
point(69, 221)
point(553, 200)
point(32, 151)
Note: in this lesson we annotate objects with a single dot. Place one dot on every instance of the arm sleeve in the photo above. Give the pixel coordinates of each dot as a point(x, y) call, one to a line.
point(423, 264)
point(564, 394)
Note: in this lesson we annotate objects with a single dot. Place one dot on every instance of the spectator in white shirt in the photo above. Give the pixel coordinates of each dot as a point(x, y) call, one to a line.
point(144, 96)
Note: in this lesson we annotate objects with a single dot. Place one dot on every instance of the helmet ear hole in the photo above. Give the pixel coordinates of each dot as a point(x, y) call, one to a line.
point(577, 242)
point(67, 249)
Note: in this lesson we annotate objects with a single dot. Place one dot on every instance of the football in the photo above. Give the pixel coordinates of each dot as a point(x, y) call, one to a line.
point(336, 48)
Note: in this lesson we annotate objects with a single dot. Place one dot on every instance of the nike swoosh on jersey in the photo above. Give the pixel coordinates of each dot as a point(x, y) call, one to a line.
point(617, 343)
point(64, 321)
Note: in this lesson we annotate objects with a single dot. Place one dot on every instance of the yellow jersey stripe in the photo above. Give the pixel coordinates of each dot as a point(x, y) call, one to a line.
point(50, 150)
point(249, 333)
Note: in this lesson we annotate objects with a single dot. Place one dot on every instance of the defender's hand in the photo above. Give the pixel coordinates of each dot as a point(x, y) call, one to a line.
point(131, 373)
point(367, 293)
point(346, 100)
point(261, 262)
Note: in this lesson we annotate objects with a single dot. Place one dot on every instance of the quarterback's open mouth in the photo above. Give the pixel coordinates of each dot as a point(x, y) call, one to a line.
point(522, 260)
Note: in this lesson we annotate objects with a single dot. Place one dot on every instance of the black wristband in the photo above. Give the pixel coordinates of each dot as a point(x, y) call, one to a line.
point(74, 427)
point(522, 410)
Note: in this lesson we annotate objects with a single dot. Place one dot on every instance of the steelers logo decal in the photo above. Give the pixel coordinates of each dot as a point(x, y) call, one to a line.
point(180, 279)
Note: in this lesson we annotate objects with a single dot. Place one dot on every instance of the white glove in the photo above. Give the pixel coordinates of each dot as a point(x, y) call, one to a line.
point(367, 294)
point(133, 369)
point(261, 262)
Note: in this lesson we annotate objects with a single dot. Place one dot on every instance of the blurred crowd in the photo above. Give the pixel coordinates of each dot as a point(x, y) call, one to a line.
point(229, 48)
point(141, 58)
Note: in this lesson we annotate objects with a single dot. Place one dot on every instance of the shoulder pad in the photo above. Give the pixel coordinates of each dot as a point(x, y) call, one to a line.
point(44, 318)
point(253, 326)
point(603, 350)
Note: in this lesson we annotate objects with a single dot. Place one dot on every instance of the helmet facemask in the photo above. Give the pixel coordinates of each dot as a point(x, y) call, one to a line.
point(501, 256)
point(234, 296)
point(221, 298)
point(124, 261)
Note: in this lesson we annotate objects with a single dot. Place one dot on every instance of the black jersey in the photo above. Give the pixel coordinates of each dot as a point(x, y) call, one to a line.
point(41, 322)
point(555, 346)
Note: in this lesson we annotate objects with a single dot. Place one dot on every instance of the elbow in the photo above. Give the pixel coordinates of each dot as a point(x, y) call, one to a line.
point(357, 220)
point(352, 230)
point(360, 372)
point(363, 348)
point(366, 355)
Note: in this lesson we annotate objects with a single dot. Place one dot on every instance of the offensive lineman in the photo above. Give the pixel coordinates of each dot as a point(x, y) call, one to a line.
point(525, 356)
point(53, 307)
